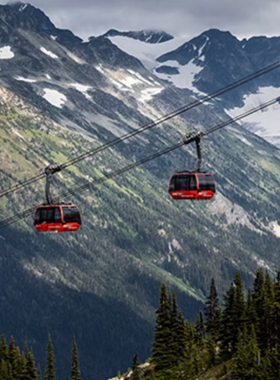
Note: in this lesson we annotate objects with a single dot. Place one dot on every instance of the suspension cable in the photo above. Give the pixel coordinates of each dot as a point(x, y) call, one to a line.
point(187, 140)
point(158, 121)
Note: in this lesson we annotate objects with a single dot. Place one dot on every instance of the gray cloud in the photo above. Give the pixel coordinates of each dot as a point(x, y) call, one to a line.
point(243, 18)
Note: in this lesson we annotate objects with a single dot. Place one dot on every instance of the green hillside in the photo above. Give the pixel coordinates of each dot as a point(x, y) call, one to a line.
point(101, 283)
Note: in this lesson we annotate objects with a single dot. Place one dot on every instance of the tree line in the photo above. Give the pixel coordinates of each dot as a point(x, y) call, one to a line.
point(241, 336)
point(15, 365)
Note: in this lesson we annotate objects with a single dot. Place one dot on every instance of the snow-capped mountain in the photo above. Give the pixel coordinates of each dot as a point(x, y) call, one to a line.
point(149, 36)
point(65, 77)
point(25, 16)
point(220, 58)
point(213, 60)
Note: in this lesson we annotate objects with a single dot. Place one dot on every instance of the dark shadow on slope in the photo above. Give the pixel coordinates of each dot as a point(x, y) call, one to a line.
point(107, 331)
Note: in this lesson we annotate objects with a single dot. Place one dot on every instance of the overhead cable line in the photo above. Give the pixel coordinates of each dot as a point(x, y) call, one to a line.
point(187, 140)
point(152, 124)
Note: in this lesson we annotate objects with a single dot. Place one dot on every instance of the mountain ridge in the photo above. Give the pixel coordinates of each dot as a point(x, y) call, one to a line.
point(214, 59)
point(151, 36)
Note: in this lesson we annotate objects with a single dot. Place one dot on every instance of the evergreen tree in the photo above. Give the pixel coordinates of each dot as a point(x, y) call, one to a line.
point(258, 300)
point(239, 302)
point(245, 363)
point(200, 328)
point(3, 350)
point(263, 299)
point(178, 344)
point(202, 325)
point(195, 360)
point(182, 338)
point(174, 346)
point(75, 371)
point(238, 311)
point(50, 369)
point(250, 312)
point(14, 359)
point(135, 368)
point(26, 350)
point(276, 312)
point(190, 334)
point(267, 323)
point(197, 330)
point(274, 357)
point(212, 311)
point(253, 351)
point(30, 367)
point(240, 360)
point(162, 356)
point(228, 326)
point(6, 370)
point(24, 374)
point(266, 370)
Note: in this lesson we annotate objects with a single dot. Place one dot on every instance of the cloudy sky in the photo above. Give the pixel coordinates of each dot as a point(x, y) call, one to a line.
point(244, 18)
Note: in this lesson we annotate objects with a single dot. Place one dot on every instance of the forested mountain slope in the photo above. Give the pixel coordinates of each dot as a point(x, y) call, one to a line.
point(100, 284)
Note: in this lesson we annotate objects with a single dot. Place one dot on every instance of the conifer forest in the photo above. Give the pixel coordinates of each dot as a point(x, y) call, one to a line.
point(237, 335)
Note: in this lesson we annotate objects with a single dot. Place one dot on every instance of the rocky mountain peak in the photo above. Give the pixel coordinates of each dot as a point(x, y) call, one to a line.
point(207, 42)
point(150, 36)
point(27, 15)
point(18, 5)
point(24, 16)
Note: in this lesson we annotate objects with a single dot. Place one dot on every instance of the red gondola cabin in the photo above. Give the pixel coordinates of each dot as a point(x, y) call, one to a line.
point(186, 185)
point(58, 218)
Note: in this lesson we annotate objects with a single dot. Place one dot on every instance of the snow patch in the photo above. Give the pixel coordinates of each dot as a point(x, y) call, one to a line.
point(25, 79)
point(100, 69)
point(82, 88)
point(149, 92)
point(142, 88)
point(54, 97)
point(186, 75)
point(148, 38)
point(146, 53)
point(263, 123)
point(48, 76)
point(130, 81)
point(54, 37)
point(139, 76)
point(22, 7)
point(117, 84)
point(49, 53)
point(6, 52)
point(200, 50)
